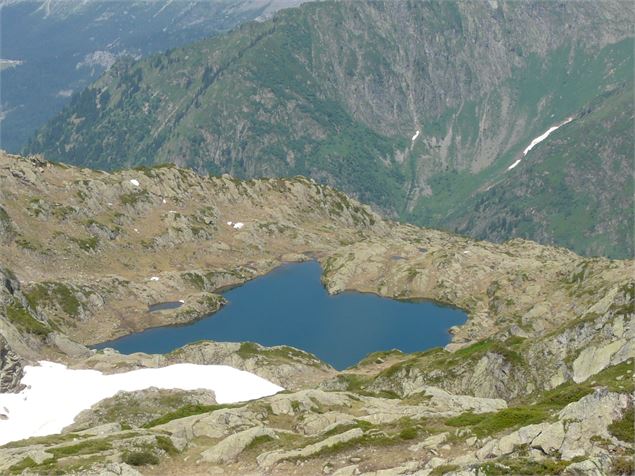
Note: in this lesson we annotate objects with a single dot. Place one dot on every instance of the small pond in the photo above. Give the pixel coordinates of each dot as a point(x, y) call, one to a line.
point(289, 306)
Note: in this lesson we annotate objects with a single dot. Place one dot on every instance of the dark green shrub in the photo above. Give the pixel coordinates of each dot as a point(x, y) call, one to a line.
point(140, 458)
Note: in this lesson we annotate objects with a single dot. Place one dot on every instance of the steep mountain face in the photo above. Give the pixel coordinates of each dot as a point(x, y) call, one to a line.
point(338, 91)
point(539, 380)
point(51, 49)
point(574, 190)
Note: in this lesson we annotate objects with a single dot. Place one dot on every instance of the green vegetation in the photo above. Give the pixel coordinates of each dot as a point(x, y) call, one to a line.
point(140, 458)
point(541, 407)
point(21, 318)
point(83, 448)
point(42, 440)
point(443, 469)
point(56, 293)
point(250, 349)
point(623, 466)
point(185, 411)
point(624, 428)
point(132, 198)
point(408, 433)
point(87, 244)
point(524, 466)
point(259, 440)
point(25, 464)
point(6, 226)
point(164, 443)
point(440, 359)
point(485, 424)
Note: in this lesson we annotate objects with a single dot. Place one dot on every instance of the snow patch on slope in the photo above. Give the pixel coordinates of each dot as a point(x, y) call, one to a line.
point(55, 394)
point(514, 164)
point(546, 134)
point(539, 139)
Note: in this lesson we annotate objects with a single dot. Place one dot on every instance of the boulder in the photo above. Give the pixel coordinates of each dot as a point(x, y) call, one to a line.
point(550, 439)
point(594, 359)
point(266, 460)
point(232, 446)
point(587, 467)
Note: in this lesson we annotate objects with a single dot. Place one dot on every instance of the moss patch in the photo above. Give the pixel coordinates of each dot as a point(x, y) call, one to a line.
point(624, 428)
point(185, 411)
point(21, 318)
point(82, 448)
point(55, 292)
point(140, 458)
point(485, 424)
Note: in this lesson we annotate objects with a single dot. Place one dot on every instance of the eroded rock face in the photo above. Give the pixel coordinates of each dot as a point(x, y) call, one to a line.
point(11, 369)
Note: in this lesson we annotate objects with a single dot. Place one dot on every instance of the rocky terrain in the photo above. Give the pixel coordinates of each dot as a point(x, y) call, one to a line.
point(538, 381)
point(417, 108)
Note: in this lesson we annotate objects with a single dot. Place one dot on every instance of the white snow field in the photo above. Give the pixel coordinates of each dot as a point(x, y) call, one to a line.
point(55, 394)
point(539, 139)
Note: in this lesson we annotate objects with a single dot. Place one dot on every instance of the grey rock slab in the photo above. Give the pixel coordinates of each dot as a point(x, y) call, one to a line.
point(266, 460)
point(232, 446)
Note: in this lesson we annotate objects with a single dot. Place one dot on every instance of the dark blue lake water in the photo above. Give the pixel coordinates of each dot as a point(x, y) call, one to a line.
point(290, 307)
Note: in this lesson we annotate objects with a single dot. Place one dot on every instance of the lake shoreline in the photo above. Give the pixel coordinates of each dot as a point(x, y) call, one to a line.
point(242, 317)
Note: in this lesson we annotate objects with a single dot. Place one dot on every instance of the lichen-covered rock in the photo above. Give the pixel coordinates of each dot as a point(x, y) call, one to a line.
point(231, 447)
point(139, 407)
point(266, 460)
point(588, 417)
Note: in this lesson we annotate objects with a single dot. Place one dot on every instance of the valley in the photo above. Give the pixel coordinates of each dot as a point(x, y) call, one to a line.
point(337, 92)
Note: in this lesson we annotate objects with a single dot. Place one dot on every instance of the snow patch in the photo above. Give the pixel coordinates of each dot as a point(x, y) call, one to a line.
point(514, 164)
point(134, 182)
point(55, 394)
point(154, 278)
point(237, 225)
point(546, 134)
point(416, 135)
point(539, 139)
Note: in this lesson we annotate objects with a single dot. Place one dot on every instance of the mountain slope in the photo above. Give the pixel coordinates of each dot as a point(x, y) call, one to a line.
point(338, 91)
point(59, 47)
point(574, 189)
